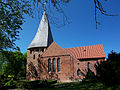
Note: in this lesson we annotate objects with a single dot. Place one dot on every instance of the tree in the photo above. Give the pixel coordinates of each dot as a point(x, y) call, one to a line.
point(11, 19)
point(14, 64)
point(108, 71)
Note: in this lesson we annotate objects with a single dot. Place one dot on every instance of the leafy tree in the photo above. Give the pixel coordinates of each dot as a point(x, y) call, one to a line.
point(108, 72)
point(90, 74)
point(90, 77)
point(1, 60)
point(15, 64)
point(11, 19)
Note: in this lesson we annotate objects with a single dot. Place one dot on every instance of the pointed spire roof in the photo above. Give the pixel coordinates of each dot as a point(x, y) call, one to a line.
point(43, 37)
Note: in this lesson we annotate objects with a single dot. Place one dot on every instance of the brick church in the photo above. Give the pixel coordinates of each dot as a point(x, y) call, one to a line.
point(46, 60)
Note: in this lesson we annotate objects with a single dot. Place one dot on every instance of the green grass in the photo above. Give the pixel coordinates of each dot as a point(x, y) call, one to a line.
point(80, 86)
point(76, 86)
point(52, 85)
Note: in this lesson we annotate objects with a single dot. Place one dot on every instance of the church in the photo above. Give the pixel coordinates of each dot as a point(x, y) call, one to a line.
point(46, 60)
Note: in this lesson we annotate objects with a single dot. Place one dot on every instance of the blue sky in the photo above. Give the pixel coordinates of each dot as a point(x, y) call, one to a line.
point(81, 31)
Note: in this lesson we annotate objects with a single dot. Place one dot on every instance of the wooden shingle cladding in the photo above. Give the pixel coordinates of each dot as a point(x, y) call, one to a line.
point(43, 37)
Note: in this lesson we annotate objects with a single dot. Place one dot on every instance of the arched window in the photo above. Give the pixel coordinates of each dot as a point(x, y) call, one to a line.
point(39, 49)
point(49, 65)
point(34, 50)
point(88, 65)
point(58, 65)
point(54, 65)
point(42, 49)
point(78, 72)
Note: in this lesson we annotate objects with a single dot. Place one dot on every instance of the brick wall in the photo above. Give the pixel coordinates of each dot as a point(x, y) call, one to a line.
point(69, 65)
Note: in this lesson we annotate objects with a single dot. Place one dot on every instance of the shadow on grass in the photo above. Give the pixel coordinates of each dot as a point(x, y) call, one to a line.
point(53, 85)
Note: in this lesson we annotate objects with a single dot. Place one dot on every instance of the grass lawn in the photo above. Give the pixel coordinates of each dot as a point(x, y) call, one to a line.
point(53, 85)
point(79, 86)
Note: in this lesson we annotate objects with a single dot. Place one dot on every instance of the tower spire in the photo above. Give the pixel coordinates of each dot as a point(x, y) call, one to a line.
point(43, 37)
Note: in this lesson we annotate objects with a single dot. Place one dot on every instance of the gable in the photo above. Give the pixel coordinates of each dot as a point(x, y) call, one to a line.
point(54, 50)
point(94, 51)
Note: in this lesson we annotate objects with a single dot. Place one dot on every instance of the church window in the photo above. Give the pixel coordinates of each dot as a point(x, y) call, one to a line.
point(42, 49)
point(49, 65)
point(58, 65)
point(39, 49)
point(34, 56)
point(34, 50)
point(78, 72)
point(88, 65)
point(54, 65)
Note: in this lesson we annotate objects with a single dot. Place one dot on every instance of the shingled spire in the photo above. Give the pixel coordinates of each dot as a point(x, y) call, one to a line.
point(43, 37)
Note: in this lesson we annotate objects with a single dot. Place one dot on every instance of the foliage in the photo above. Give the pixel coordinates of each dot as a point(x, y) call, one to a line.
point(14, 64)
point(11, 19)
point(108, 72)
point(90, 76)
point(9, 83)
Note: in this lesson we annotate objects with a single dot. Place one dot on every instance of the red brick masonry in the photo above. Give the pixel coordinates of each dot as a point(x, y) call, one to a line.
point(72, 60)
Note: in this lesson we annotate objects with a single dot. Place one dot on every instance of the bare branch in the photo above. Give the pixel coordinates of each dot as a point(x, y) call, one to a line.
point(99, 6)
point(54, 10)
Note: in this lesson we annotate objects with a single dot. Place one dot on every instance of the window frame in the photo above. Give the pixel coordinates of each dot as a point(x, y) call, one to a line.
point(78, 72)
point(54, 65)
point(89, 65)
point(58, 65)
point(49, 65)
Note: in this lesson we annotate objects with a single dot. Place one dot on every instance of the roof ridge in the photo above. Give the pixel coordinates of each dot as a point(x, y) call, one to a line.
point(84, 46)
point(92, 51)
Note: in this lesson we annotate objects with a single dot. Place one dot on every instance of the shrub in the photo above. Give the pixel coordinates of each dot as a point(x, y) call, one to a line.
point(108, 72)
point(90, 77)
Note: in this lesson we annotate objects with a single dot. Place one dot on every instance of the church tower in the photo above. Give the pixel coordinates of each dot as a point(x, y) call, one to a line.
point(43, 37)
point(39, 44)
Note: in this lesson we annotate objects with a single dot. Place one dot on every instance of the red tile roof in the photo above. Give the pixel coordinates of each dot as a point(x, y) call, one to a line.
point(94, 51)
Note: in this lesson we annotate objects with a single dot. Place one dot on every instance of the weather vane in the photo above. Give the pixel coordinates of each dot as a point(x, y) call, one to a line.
point(44, 5)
